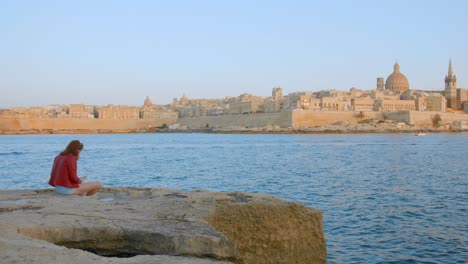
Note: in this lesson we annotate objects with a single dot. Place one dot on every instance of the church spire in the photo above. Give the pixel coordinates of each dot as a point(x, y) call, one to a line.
point(450, 71)
point(451, 88)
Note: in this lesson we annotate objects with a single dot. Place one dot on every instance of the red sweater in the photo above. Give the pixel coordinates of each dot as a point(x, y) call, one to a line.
point(64, 172)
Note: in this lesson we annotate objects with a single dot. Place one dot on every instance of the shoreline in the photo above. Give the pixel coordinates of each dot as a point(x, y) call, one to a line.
point(314, 130)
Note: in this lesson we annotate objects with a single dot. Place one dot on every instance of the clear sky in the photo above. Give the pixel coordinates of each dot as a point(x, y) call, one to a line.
point(118, 52)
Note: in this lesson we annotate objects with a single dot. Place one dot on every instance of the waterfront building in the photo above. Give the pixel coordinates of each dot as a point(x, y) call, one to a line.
point(118, 112)
point(329, 103)
point(246, 104)
point(465, 107)
point(363, 104)
point(302, 100)
point(81, 111)
point(395, 105)
point(436, 102)
point(462, 96)
point(23, 112)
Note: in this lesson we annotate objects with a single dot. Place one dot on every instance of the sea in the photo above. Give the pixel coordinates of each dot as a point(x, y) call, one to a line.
point(385, 198)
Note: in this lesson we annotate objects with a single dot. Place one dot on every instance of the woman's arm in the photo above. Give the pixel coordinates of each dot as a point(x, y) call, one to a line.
point(73, 171)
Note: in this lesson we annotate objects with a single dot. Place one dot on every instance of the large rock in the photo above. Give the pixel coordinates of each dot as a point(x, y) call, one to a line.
point(134, 225)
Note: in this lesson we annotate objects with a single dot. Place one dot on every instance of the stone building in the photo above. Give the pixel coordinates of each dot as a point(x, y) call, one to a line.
point(328, 103)
point(22, 112)
point(246, 104)
point(397, 81)
point(465, 107)
point(277, 94)
point(273, 106)
point(395, 105)
point(363, 104)
point(192, 111)
point(302, 100)
point(436, 102)
point(462, 96)
point(81, 111)
point(118, 112)
point(248, 107)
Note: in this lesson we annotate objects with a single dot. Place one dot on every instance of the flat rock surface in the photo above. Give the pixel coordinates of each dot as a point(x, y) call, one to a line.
point(137, 225)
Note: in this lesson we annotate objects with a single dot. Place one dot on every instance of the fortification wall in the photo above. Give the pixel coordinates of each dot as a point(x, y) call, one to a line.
point(425, 118)
point(400, 116)
point(309, 118)
point(26, 124)
point(282, 119)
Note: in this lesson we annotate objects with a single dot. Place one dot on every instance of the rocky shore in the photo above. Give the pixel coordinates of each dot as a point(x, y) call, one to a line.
point(337, 128)
point(369, 126)
point(142, 225)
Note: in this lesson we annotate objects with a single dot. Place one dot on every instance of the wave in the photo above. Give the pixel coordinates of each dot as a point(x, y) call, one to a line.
point(12, 153)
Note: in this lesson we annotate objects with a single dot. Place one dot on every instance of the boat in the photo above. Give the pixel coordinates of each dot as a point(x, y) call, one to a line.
point(420, 134)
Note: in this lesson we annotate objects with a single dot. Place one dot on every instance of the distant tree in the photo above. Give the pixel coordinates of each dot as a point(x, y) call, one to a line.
point(436, 119)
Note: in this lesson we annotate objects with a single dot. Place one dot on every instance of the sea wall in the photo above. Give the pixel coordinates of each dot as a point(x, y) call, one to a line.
point(281, 119)
point(289, 119)
point(400, 116)
point(424, 117)
point(296, 118)
point(12, 125)
point(308, 118)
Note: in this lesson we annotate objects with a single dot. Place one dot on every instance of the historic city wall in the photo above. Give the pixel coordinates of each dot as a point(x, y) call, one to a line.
point(400, 116)
point(282, 119)
point(111, 125)
point(296, 118)
point(424, 117)
point(309, 118)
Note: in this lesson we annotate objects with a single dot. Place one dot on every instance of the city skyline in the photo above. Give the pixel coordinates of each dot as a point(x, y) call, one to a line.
point(116, 52)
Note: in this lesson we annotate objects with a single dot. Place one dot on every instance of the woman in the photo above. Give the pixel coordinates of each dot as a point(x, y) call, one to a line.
point(64, 176)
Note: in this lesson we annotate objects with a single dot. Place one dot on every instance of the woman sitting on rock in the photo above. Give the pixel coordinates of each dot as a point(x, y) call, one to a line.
point(64, 176)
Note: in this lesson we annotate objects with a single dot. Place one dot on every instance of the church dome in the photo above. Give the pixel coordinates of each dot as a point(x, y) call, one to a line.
point(397, 81)
point(148, 101)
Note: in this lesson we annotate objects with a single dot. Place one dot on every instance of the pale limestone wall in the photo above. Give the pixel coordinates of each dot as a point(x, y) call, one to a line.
point(308, 118)
point(282, 119)
point(401, 116)
point(17, 124)
point(425, 118)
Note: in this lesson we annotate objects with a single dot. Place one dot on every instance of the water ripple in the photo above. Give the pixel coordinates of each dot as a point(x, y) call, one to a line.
point(384, 198)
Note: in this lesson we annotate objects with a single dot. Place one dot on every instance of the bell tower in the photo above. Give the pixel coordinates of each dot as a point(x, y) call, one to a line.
point(451, 88)
point(380, 84)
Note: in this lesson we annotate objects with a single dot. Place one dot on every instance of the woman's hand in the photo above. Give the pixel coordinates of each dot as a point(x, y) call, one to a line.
point(83, 178)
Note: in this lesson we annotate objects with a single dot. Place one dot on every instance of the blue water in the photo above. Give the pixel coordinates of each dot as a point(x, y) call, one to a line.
point(385, 198)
